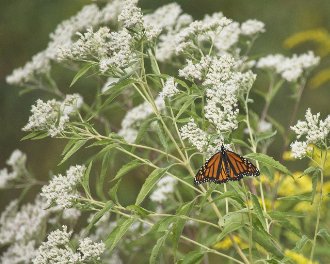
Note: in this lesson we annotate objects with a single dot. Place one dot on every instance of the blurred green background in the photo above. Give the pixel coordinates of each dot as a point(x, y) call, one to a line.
point(25, 26)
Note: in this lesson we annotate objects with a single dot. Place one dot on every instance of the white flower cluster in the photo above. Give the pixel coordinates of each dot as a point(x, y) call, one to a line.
point(252, 27)
point(52, 116)
point(202, 30)
point(88, 16)
point(290, 69)
point(110, 49)
point(180, 33)
point(133, 118)
point(130, 15)
point(224, 83)
point(62, 189)
point(57, 249)
point(169, 20)
point(22, 225)
point(19, 253)
point(169, 89)
point(196, 71)
point(17, 162)
point(195, 135)
point(313, 129)
point(164, 187)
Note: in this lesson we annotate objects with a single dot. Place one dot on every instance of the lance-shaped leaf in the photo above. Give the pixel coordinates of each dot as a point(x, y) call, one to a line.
point(268, 161)
point(116, 234)
point(149, 184)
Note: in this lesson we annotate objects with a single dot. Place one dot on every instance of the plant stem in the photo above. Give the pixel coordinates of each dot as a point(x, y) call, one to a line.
point(324, 157)
point(254, 149)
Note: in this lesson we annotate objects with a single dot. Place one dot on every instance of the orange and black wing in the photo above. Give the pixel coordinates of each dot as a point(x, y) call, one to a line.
point(240, 166)
point(214, 170)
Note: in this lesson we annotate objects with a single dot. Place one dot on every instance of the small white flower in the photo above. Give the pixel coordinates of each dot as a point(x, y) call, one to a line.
point(62, 189)
point(52, 116)
point(164, 187)
point(90, 250)
point(195, 135)
point(22, 225)
point(270, 61)
point(299, 149)
point(56, 249)
point(130, 15)
point(289, 68)
point(196, 71)
point(313, 130)
point(19, 253)
point(252, 27)
point(169, 88)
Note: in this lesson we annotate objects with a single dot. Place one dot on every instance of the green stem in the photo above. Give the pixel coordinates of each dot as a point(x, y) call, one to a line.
point(324, 157)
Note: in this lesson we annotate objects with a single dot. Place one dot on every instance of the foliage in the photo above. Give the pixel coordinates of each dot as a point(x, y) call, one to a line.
point(181, 88)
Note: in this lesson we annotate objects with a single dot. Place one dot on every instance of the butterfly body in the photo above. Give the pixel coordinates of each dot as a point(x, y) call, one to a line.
point(225, 166)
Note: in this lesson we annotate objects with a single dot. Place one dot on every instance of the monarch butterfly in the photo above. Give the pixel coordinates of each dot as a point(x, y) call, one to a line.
point(225, 166)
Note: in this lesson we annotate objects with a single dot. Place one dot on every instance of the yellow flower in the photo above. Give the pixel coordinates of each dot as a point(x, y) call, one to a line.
point(287, 155)
point(298, 258)
point(300, 185)
point(227, 244)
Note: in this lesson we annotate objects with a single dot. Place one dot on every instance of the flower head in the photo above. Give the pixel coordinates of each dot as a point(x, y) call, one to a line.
point(252, 27)
point(62, 189)
point(291, 69)
point(313, 130)
point(195, 135)
point(130, 15)
point(169, 88)
point(52, 116)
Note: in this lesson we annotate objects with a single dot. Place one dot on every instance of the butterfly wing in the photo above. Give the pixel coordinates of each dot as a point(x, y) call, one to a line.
point(214, 170)
point(240, 166)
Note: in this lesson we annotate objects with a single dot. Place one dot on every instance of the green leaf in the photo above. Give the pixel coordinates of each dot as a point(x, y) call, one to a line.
point(162, 225)
point(258, 210)
point(138, 210)
point(114, 190)
point(127, 168)
point(143, 129)
point(314, 186)
point(324, 234)
point(265, 135)
point(119, 231)
point(185, 106)
point(107, 207)
point(119, 86)
point(193, 257)
point(35, 135)
point(161, 135)
point(85, 180)
point(301, 243)
point(298, 197)
point(269, 161)
point(265, 240)
point(156, 250)
point(80, 73)
point(73, 149)
point(240, 142)
point(232, 222)
point(149, 184)
point(153, 62)
point(115, 91)
point(180, 222)
point(310, 170)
